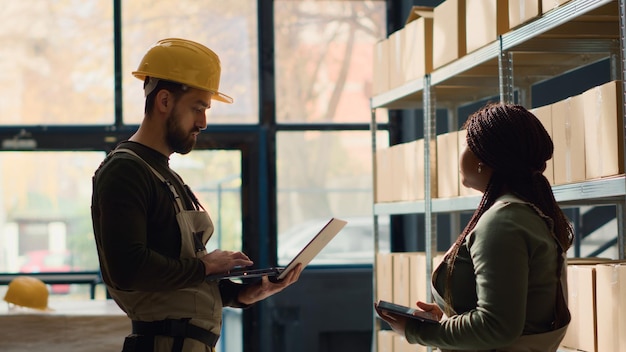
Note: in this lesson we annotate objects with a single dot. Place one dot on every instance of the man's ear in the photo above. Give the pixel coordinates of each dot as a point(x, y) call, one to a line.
point(163, 100)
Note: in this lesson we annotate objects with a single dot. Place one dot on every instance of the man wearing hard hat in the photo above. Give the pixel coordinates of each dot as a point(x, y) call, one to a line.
point(151, 230)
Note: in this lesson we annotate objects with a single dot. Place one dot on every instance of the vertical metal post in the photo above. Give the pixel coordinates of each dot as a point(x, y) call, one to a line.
point(430, 158)
point(505, 75)
point(117, 63)
point(524, 97)
point(455, 217)
point(621, 207)
point(376, 322)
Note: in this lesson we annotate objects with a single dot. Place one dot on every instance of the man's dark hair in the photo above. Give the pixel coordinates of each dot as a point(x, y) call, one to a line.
point(177, 89)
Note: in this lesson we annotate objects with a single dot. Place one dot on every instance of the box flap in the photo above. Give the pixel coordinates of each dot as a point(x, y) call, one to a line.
point(419, 11)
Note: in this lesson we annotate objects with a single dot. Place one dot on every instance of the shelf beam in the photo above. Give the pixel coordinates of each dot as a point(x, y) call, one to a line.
point(611, 190)
point(565, 13)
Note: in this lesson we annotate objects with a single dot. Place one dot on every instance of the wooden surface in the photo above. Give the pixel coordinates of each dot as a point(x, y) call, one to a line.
point(71, 326)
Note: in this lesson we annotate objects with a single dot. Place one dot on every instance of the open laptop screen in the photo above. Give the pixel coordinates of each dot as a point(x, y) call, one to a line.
point(304, 257)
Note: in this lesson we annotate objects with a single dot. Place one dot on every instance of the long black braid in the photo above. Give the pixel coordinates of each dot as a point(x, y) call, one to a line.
point(513, 142)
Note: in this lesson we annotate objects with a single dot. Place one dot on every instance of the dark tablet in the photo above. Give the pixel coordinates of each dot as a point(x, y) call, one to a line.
point(407, 312)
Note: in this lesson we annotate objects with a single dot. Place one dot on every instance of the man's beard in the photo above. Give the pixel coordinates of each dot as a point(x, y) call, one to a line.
point(179, 141)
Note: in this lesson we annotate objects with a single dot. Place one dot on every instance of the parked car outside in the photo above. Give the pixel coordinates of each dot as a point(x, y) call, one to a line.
point(44, 261)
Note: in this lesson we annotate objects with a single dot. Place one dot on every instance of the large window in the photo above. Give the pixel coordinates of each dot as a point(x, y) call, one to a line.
point(321, 175)
point(324, 59)
point(45, 220)
point(57, 57)
point(229, 28)
point(56, 62)
point(324, 68)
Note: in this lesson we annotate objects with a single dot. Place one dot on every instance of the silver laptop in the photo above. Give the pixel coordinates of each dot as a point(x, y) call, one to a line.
point(304, 257)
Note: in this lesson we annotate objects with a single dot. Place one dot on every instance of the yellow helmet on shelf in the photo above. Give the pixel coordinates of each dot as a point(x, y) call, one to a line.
point(186, 62)
point(27, 292)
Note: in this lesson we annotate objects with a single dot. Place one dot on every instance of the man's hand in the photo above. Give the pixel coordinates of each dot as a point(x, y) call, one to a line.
point(220, 261)
point(266, 288)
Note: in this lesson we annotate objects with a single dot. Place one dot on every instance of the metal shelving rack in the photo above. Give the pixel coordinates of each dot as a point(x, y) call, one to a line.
point(575, 34)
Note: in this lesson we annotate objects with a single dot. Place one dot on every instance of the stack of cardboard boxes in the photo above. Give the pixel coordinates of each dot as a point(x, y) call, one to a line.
point(406, 54)
point(597, 301)
point(586, 133)
point(585, 130)
point(435, 37)
point(400, 172)
point(401, 278)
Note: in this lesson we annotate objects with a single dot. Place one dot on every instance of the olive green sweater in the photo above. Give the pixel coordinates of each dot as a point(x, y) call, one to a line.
point(135, 228)
point(504, 283)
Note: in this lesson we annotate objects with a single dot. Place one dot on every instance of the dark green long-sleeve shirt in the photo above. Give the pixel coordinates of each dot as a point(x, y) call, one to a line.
point(135, 228)
point(504, 283)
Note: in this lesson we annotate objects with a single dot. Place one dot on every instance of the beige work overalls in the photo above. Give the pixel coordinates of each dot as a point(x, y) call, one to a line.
point(201, 303)
point(544, 342)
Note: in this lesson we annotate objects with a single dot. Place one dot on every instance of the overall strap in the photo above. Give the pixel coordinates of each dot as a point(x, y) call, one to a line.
point(177, 199)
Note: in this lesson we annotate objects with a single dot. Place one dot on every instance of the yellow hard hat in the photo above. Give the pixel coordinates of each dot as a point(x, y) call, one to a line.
point(186, 62)
point(28, 292)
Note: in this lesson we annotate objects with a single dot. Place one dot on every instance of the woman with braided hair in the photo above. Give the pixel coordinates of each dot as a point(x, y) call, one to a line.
point(502, 284)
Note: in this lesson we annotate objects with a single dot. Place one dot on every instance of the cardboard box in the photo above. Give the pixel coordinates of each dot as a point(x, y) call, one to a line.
point(418, 278)
point(547, 5)
point(380, 79)
point(448, 165)
point(544, 114)
point(522, 11)
point(464, 191)
point(418, 47)
point(485, 21)
point(438, 259)
point(568, 135)
point(396, 52)
point(581, 333)
point(383, 192)
point(448, 32)
point(418, 148)
point(384, 277)
point(400, 344)
point(400, 262)
point(603, 130)
point(411, 169)
point(384, 340)
point(414, 172)
point(399, 182)
point(610, 306)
